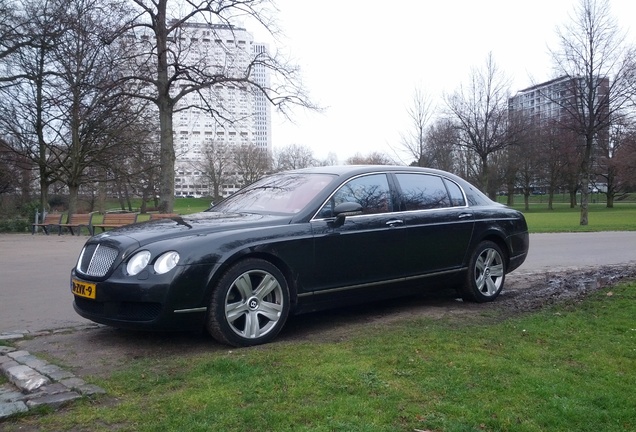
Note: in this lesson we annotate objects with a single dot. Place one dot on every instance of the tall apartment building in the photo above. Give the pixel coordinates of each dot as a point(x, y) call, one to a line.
point(559, 100)
point(547, 100)
point(242, 116)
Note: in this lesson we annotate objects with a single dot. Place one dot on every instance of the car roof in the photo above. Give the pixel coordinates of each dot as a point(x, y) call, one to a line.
point(347, 170)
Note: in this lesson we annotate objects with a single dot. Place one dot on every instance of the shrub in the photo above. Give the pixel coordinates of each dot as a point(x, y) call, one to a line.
point(19, 225)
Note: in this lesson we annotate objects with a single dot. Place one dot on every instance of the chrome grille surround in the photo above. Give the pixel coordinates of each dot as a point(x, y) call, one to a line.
point(96, 260)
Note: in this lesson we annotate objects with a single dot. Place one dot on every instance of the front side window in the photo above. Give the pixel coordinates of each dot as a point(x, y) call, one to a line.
point(422, 192)
point(371, 192)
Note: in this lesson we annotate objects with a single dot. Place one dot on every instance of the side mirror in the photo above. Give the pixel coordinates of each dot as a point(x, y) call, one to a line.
point(345, 209)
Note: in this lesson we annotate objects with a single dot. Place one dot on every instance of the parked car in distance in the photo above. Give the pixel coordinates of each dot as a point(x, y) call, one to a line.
point(300, 241)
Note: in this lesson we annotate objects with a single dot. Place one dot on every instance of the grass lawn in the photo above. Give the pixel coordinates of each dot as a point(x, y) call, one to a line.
point(565, 368)
point(565, 219)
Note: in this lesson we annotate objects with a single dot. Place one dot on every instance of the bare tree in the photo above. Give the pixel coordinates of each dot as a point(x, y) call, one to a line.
point(415, 140)
point(93, 114)
point(217, 166)
point(164, 74)
point(27, 114)
point(555, 153)
point(608, 166)
point(15, 34)
point(480, 111)
point(251, 162)
point(626, 161)
point(15, 172)
point(331, 159)
point(138, 173)
point(523, 161)
point(373, 158)
point(294, 156)
point(442, 139)
point(594, 54)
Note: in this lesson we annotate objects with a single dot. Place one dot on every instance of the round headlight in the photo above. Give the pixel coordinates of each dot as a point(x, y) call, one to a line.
point(166, 262)
point(138, 262)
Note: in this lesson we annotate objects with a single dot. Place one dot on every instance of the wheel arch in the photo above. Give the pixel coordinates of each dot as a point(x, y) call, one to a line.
point(499, 239)
point(273, 259)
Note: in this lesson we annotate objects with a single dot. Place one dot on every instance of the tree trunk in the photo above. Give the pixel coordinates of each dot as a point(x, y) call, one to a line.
point(73, 192)
point(127, 195)
point(585, 178)
point(485, 178)
point(165, 105)
point(101, 192)
point(44, 194)
point(167, 161)
point(551, 199)
point(510, 200)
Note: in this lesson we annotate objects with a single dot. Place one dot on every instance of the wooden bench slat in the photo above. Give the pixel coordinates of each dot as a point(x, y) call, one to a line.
point(78, 220)
point(115, 220)
point(51, 219)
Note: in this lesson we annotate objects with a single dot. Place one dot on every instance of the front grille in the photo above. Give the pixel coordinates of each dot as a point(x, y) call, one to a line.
point(127, 311)
point(134, 311)
point(90, 306)
point(96, 260)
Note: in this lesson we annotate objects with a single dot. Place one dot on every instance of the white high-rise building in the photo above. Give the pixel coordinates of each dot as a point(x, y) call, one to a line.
point(547, 101)
point(241, 116)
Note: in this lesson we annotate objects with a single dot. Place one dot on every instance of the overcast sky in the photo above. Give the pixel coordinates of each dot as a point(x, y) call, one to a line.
point(363, 59)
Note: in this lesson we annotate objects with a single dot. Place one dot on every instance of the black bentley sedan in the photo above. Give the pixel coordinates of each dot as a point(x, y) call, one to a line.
point(300, 241)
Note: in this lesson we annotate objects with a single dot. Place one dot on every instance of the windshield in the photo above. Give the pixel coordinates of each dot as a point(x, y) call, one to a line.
point(279, 193)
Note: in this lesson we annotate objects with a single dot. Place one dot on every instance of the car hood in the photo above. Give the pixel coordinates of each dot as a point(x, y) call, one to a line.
point(195, 224)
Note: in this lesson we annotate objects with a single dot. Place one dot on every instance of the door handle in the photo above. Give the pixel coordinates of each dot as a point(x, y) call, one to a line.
point(465, 215)
point(395, 222)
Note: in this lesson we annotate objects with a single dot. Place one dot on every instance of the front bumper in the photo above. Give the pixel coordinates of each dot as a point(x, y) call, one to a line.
point(158, 302)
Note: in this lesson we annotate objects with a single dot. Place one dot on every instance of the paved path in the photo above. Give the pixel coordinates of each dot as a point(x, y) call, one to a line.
point(34, 281)
point(35, 271)
point(555, 252)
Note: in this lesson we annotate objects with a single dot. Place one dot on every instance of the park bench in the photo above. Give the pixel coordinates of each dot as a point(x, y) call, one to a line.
point(51, 219)
point(155, 216)
point(78, 221)
point(115, 220)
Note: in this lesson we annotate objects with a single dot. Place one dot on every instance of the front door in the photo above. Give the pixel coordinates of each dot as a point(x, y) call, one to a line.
point(364, 250)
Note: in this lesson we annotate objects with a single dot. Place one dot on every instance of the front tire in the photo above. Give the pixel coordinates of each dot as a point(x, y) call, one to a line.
point(486, 273)
point(249, 305)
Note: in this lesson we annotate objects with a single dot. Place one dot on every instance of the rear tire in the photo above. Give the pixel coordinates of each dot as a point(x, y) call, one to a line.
point(249, 305)
point(486, 273)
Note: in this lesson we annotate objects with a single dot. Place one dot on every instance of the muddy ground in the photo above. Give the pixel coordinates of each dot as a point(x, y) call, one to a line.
point(103, 350)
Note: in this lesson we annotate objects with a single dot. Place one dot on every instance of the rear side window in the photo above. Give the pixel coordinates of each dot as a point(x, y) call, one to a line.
point(455, 192)
point(422, 192)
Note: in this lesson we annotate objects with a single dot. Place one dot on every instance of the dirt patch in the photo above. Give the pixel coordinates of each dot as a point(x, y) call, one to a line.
point(101, 351)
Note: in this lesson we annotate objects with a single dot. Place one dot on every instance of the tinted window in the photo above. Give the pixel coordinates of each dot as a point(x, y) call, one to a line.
point(455, 192)
point(422, 192)
point(371, 192)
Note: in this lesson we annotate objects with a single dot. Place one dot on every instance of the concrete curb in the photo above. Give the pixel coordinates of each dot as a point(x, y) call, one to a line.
point(35, 382)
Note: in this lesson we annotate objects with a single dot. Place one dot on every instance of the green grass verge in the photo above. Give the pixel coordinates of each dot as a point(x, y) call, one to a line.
point(565, 219)
point(566, 368)
point(562, 218)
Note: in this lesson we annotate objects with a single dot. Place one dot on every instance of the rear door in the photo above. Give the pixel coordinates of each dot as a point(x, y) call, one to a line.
point(438, 224)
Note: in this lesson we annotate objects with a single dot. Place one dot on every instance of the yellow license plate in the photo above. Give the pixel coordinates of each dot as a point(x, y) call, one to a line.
point(83, 289)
